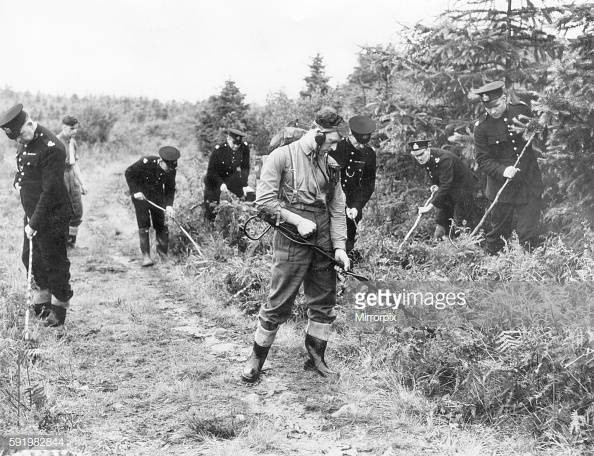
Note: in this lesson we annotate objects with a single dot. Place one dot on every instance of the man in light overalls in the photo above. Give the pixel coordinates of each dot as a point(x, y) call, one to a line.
point(300, 185)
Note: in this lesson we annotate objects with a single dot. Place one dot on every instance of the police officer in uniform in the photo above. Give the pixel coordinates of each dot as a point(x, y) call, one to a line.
point(358, 163)
point(499, 138)
point(153, 178)
point(454, 186)
point(40, 178)
point(228, 169)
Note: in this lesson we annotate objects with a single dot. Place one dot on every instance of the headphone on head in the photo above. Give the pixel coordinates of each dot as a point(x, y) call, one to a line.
point(320, 138)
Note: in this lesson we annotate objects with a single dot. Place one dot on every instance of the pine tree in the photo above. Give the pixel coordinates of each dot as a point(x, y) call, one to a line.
point(568, 103)
point(317, 81)
point(226, 110)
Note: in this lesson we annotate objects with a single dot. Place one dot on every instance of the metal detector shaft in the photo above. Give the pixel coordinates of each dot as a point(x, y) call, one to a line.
point(507, 181)
point(180, 227)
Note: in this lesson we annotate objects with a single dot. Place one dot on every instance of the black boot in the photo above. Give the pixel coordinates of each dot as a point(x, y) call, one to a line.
point(145, 247)
point(163, 243)
point(316, 348)
point(41, 310)
point(55, 317)
point(253, 367)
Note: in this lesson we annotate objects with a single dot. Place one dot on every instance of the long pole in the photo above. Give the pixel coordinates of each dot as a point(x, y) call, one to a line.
point(416, 223)
point(507, 181)
point(180, 227)
point(29, 291)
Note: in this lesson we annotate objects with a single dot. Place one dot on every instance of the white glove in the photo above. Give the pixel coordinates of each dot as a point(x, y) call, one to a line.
point(425, 209)
point(341, 256)
point(306, 227)
point(170, 211)
point(139, 196)
point(224, 188)
point(510, 172)
point(247, 190)
point(352, 213)
point(434, 188)
point(30, 232)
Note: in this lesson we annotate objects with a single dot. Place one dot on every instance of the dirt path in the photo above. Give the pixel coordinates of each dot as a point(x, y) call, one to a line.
point(149, 364)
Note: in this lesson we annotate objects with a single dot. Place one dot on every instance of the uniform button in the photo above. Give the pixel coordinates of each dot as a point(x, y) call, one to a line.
point(20, 179)
point(496, 142)
point(515, 148)
point(505, 119)
point(28, 163)
point(511, 134)
point(513, 141)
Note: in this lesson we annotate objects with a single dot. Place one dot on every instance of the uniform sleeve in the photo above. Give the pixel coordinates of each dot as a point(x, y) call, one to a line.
point(245, 166)
point(169, 190)
point(212, 172)
point(487, 164)
point(445, 181)
point(134, 177)
point(17, 174)
point(269, 184)
point(52, 164)
point(367, 182)
point(338, 228)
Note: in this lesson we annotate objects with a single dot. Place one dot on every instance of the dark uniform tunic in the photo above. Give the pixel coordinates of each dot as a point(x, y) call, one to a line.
point(497, 147)
point(358, 181)
point(228, 167)
point(457, 187)
point(148, 177)
point(48, 210)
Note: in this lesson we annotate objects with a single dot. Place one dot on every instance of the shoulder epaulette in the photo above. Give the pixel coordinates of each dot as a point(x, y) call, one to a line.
point(245, 143)
point(217, 146)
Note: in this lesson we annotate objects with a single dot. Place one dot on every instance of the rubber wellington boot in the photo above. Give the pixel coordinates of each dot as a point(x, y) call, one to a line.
point(163, 244)
point(41, 310)
point(316, 348)
point(253, 367)
point(41, 302)
point(55, 317)
point(145, 247)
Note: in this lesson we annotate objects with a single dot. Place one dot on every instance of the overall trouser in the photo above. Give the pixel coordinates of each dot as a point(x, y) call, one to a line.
point(294, 264)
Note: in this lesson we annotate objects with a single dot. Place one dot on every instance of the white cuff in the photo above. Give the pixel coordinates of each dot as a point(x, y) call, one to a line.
point(319, 330)
point(264, 337)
